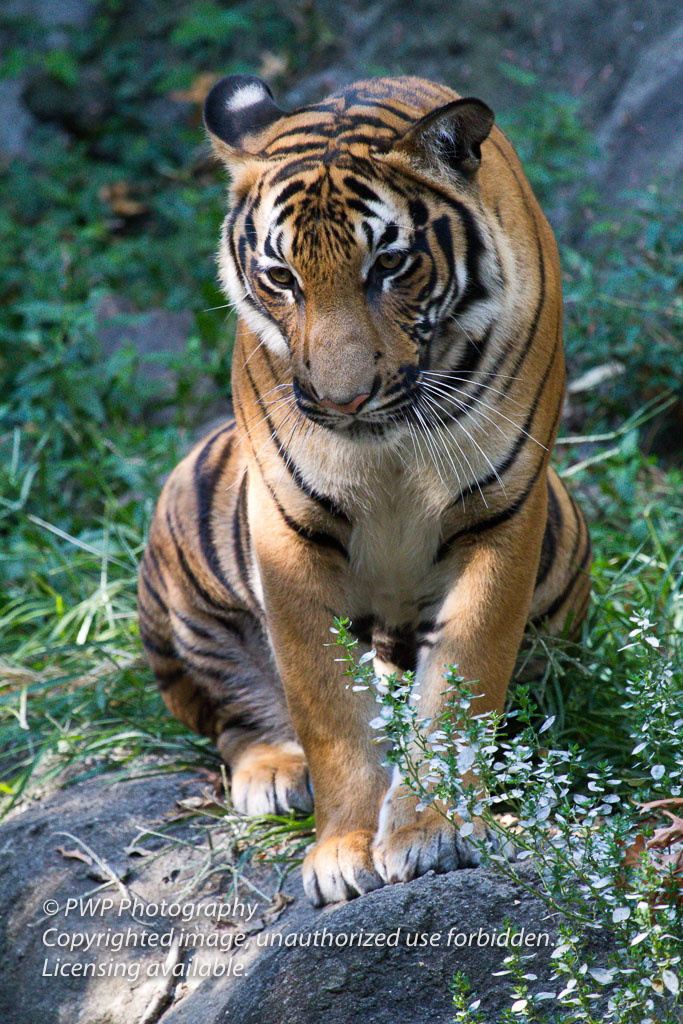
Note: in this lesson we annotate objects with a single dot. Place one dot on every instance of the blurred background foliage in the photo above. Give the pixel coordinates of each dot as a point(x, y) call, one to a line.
point(115, 340)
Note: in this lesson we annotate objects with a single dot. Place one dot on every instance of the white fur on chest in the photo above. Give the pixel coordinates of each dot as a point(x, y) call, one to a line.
point(391, 554)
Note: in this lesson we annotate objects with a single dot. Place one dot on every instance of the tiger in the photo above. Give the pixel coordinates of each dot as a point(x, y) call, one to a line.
point(397, 379)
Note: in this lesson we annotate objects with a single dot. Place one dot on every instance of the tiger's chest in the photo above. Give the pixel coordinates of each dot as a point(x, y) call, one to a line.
point(393, 542)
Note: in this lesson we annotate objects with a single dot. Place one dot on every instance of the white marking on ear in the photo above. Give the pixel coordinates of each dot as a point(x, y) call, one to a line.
point(246, 96)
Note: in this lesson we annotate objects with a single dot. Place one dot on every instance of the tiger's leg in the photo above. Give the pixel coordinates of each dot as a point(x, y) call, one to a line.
point(479, 629)
point(305, 584)
point(206, 645)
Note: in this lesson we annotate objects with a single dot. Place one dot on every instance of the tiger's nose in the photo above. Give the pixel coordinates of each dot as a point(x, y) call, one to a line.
point(349, 408)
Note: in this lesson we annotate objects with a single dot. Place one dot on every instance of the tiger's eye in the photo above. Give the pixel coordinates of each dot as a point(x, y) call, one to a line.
point(390, 260)
point(281, 276)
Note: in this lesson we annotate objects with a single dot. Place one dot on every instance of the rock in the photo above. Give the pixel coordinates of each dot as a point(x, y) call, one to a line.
point(154, 336)
point(52, 13)
point(383, 983)
point(106, 817)
point(16, 122)
point(81, 110)
point(642, 136)
point(386, 958)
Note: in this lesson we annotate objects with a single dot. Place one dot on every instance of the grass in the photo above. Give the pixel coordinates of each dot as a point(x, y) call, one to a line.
point(81, 460)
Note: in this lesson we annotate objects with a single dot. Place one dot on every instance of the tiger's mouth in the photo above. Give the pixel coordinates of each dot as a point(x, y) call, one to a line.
point(373, 418)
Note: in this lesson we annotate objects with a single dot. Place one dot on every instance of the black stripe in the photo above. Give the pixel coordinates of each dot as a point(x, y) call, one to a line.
point(488, 524)
point(288, 191)
point(250, 228)
point(152, 555)
point(361, 628)
point(241, 720)
point(474, 353)
point(359, 206)
point(205, 483)
point(310, 147)
point(206, 634)
point(554, 608)
point(239, 519)
point(428, 626)
point(240, 266)
point(166, 679)
point(419, 212)
point(553, 525)
point(325, 540)
point(365, 121)
point(399, 652)
point(442, 232)
point(203, 652)
point(305, 532)
point(163, 650)
point(180, 554)
point(361, 190)
point(389, 235)
point(325, 129)
point(283, 214)
point(153, 593)
point(474, 290)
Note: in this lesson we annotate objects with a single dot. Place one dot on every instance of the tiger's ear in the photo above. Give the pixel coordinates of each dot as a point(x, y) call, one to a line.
point(238, 107)
point(451, 134)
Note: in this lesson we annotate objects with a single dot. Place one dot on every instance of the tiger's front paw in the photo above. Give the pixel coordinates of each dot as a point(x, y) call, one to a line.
point(271, 779)
point(411, 842)
point(340, 868)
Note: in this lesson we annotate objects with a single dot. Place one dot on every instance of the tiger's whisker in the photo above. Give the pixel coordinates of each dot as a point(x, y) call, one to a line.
point(454, 442)
point(480, 449)
point(429, 373)
point(447, 450)
point(460, 404)
point(430, 445)
point(283, 402)
point(491, 408)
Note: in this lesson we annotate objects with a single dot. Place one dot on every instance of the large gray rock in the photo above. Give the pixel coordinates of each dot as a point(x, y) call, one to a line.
point(643, 136)
point(270, 958)
point(386, 958)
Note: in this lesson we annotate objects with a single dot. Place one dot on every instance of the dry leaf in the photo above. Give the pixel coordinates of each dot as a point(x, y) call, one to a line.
point(120, 202)
point(661, 803)
point(273, 66)
point(198, 91)
point(75, 854)
point(276, 907)
point(667, 834)
point(635, 851)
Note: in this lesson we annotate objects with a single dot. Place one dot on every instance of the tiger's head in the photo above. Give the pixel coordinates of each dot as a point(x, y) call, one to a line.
point(355, 247)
